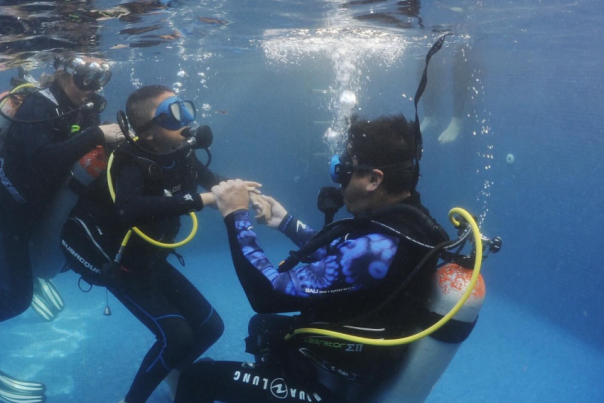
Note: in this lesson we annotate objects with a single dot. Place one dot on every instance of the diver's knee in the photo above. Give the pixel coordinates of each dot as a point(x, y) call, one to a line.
point(179, 339)
point(15, 307)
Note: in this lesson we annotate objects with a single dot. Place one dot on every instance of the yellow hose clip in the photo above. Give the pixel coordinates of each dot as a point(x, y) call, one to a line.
point(409, 339)
point(138, 231)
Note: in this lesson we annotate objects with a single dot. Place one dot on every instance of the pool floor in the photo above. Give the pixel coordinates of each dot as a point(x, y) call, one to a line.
point(85, 357)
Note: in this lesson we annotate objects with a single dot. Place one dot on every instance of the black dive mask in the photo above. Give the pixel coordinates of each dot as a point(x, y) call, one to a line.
point(87, 76)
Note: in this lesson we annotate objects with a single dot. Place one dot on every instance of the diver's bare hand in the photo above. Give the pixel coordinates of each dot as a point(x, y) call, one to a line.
point(234, 195)
point(262, 207)
point(208, 200)
point(278, 212)
point(113, 134)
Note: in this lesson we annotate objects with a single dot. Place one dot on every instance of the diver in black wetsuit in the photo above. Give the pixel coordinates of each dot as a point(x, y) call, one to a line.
point(156, 182)
point(345, 281)
point(34, 162)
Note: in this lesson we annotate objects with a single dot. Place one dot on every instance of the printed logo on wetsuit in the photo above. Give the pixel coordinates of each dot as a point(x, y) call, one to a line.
point(188, 197)
point(277, 387)
point(309, 290)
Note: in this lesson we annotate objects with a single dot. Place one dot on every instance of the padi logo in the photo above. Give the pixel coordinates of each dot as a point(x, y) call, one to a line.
point(9, 186)
point(277, 387)
point(79, 258)
point(188, 197)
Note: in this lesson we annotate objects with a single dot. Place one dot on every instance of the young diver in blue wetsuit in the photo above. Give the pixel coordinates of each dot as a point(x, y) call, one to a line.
point(156, 180)
point(38, 150)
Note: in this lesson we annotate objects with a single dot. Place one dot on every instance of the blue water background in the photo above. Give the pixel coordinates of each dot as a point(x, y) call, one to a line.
point(541, 331)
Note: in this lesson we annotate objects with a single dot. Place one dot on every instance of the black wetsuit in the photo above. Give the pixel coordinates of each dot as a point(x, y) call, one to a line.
point(183, 321)
point(347, 279)
point(34, 163)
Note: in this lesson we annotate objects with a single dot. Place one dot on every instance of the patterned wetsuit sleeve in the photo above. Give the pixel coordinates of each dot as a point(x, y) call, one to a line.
point(300, 234)
point(351, 265)
point(296, 230)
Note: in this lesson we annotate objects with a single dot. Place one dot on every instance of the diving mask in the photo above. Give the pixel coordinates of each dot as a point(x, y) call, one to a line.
point(172, 114)
point(87, 76)
point(341, 168)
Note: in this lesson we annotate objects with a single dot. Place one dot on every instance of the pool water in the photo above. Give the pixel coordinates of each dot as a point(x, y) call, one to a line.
point(276, 81)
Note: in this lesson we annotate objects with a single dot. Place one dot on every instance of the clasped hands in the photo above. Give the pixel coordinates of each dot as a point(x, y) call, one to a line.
point(232, 195)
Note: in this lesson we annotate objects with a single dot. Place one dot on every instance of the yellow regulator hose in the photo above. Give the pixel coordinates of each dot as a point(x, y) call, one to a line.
point(409, 339)
point(138, 231)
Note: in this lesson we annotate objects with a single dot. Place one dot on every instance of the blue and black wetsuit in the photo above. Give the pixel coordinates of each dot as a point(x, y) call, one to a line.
point(34, 162)
point(183, 321)
point(347, 279)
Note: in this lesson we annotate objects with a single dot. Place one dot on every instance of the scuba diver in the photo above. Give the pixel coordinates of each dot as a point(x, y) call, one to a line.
point(344, 280)
point(46, 130)
point(361, 285)
point(151, 181)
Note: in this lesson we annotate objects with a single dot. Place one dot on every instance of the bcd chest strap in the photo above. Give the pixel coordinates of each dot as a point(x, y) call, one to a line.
point(150, 168)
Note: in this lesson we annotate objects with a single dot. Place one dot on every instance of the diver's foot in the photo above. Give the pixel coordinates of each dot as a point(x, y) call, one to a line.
point(172, 381)
point(429, 123)
point(451, 133)
point(15, 390)
point(47, 302)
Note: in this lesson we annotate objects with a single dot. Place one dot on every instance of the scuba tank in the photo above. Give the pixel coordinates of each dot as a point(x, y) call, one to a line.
point(427, 359)
point(445, 307)
point(46, 256)
point(9, 105)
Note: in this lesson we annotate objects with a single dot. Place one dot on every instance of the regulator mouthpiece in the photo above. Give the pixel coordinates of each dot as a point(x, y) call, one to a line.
point(96, 104)
point(202, 136)
point(495, 244)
